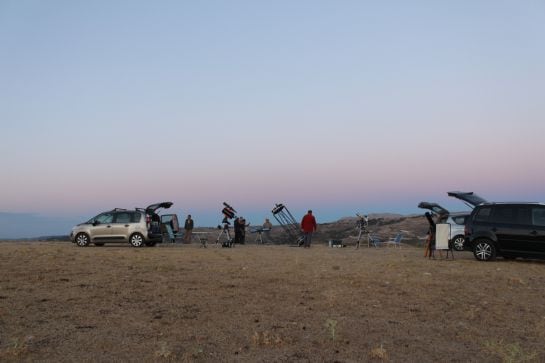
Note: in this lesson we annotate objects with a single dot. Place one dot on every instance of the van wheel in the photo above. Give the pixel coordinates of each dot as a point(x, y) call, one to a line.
point(136, 240)
point(82, 239)
point(458, 243)
point(484, 250)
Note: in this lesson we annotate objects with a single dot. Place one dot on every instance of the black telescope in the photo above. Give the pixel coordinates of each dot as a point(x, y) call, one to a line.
point(288, 223)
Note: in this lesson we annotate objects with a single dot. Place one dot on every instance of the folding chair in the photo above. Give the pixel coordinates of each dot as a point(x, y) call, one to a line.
point(375, 241)
point(395, 241)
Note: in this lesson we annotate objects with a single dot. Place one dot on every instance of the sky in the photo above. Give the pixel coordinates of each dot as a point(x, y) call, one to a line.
point(335, 106)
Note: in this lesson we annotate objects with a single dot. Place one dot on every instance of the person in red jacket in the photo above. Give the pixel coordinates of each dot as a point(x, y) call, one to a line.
point(308, 226)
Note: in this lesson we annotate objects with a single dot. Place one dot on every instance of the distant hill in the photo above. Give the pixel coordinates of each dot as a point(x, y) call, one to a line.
point(60, 238)
point(381, 225)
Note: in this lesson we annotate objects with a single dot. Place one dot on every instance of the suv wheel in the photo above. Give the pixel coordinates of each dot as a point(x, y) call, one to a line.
point(136, 240)
point(484, 250)
point(82, 239)
point(458, 243)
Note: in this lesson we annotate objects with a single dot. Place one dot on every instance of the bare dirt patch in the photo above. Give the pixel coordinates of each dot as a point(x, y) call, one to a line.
point(265, 303)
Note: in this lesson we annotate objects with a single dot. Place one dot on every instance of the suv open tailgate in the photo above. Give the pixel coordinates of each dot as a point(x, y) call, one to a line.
point(469, 198)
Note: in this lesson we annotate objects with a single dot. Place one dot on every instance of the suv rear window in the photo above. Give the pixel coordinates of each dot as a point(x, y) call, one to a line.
point(504, 214)
point(123, 217)
point(459, 220)
point(538, 216)
point(483, 214)
point(127, 217)
point(511, 214)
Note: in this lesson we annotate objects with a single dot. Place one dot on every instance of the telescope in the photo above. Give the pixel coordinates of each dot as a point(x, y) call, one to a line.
point(228, 213)
point(288, 223)
point(363, 221)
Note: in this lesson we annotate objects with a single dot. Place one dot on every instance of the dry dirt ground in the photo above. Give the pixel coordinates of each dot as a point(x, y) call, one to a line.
point(265, 303)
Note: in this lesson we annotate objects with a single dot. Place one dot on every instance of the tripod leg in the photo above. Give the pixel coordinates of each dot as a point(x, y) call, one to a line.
point(427, 251)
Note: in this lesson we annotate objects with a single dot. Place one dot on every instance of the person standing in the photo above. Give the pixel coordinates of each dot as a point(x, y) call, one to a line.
point(267, 227)
point(238, 229)
point(308, 226)
point(243, 226)
point(188, 227)
point(267, 224)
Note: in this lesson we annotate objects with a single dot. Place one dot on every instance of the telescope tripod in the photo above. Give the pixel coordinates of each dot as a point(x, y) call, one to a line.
point(225, 231)
point(365, 235)
point(363, 232)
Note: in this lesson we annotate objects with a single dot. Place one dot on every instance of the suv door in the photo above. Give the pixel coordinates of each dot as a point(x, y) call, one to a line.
point(101, 228)
point(121, 225)
point(537, 230)
point(511, 225)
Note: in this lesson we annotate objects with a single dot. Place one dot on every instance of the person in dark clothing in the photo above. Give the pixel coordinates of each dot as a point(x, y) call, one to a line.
point(237, 224)
point(188, 227)
point(308, 226)
point(430, 245)
point(242, 230)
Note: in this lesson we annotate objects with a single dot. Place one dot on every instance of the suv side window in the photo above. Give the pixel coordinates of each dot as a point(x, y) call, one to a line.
point(104, 218)
point(483, 214)
point(511, 214)
point(460, 220)
point(504, 214)
point(136, 216)
point(123, 217)
point(524, 215)
point(538, 216)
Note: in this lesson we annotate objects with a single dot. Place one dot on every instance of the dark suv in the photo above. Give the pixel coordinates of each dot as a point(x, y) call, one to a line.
point(506, 229)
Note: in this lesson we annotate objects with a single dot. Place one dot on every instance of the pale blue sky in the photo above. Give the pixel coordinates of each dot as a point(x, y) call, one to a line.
point(338, 106)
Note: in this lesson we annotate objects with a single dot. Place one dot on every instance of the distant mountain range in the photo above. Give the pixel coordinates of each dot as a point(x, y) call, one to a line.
point(64, 238)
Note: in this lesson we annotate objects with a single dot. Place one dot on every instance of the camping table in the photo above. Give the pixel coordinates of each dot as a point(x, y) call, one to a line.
point(202, 237)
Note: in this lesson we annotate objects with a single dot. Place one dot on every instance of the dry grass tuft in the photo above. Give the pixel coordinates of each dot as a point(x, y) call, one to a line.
point(516, 281)
point(163, 352)
point(379, 353)
point(268, 339)
point(510, 352)
point(331, 326)
point(16, 348)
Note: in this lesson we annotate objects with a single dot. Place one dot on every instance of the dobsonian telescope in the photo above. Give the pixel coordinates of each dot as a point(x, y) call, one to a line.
point(228, 213)
point(288, 224)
